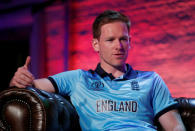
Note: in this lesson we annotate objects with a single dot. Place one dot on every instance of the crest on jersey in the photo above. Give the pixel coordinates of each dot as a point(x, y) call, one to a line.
point(135, 85)
point(97, 85)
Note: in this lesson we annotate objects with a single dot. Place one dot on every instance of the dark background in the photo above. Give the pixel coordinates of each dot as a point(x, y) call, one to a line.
point(57, 35)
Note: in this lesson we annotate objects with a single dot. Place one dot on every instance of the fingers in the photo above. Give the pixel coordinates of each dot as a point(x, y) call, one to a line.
point(27, 63)
point(15, 82)
point(23, 77)
point(22, 71)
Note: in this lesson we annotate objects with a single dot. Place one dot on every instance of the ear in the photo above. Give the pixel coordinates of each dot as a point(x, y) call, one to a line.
point(95, 44)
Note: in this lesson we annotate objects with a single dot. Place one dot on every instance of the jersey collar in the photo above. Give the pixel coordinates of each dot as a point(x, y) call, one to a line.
point(129, 73)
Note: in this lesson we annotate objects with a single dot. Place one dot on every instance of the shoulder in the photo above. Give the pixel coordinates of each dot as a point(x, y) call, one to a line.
point(147, 74)
point(70, 73)
point(78, 72)
point(88, 73)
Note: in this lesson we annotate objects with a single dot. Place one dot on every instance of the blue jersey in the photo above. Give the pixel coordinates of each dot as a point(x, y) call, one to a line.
point(130, 102)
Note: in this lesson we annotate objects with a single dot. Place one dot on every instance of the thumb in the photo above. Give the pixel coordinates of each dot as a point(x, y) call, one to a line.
point(27, 63)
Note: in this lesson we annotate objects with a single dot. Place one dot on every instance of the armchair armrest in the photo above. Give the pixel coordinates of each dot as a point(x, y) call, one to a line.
point(33, 109)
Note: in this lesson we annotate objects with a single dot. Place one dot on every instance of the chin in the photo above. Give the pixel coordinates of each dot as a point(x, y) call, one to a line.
point(118, 64)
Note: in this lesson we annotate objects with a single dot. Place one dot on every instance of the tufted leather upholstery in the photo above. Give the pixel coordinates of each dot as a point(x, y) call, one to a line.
point(32, 109)
point(35, 110)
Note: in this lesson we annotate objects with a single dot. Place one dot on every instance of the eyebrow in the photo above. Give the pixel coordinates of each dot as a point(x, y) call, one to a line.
point(112, 37)
point(124, 37)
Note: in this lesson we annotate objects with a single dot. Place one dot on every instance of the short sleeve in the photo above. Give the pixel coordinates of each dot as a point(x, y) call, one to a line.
point(65, 81)
point(162, 99)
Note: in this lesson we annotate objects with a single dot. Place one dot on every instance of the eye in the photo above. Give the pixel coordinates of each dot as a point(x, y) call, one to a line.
point(124, 39)
point(110, 40)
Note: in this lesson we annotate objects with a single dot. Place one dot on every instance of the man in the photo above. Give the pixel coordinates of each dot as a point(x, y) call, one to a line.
point(113, 96)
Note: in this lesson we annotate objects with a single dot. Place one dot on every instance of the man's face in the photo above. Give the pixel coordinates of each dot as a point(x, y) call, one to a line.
point(113, 44)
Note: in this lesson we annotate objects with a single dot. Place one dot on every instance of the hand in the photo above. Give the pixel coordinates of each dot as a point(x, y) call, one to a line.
point(22, 77)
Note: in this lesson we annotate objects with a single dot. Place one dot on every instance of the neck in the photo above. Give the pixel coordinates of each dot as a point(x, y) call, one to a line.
point(116, 71)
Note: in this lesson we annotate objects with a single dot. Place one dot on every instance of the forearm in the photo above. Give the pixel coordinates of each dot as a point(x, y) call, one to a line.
point(171, 121)
point(179, 128)
point(44, 84)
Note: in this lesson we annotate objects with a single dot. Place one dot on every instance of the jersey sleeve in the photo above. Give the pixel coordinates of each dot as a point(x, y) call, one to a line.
point(65, 82)
point(162, 99)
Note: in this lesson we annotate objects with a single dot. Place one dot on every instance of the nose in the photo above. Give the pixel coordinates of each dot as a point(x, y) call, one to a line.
point(118, 44)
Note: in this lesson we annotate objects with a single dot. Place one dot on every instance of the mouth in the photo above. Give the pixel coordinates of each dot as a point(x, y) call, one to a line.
point(119, 55)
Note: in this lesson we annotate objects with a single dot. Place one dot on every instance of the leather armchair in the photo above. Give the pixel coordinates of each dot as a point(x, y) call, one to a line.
point(33, 109)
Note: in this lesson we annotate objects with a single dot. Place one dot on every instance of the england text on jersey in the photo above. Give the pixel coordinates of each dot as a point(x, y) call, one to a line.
point(119, 106)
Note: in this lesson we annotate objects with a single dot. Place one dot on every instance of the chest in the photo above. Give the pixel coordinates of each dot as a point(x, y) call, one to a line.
point(93, 91)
